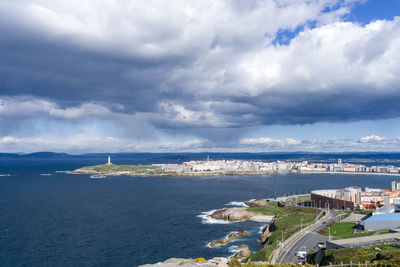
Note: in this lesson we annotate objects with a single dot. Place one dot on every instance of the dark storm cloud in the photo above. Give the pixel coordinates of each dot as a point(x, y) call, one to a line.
point(203, 69)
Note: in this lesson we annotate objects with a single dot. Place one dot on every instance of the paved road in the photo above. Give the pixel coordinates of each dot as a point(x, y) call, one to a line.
point(306, 242)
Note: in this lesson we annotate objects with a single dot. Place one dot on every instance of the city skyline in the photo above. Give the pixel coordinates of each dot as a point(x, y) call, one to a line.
point(193, 76)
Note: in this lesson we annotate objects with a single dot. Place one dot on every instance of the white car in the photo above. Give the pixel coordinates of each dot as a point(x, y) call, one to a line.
point(301, 254)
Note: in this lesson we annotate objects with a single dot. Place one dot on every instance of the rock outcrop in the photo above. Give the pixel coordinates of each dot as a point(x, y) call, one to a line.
point(258, 203)
point(220, 242)
point(266, 232)
point(173, 262)
point(233, 214)
point(243, 252)
point(238, 234)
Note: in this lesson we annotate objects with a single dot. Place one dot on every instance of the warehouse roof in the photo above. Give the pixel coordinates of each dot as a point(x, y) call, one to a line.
point(383, 217)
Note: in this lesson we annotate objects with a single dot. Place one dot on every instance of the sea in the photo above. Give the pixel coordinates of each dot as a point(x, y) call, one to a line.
point(51, 218)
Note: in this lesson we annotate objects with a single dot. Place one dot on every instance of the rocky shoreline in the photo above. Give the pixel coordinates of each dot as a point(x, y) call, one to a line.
point(233, 215)
point(173, 262)
point(241, 213)
point(228, 239)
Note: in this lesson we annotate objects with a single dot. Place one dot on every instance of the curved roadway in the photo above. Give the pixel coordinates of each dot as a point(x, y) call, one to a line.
point(306, 241)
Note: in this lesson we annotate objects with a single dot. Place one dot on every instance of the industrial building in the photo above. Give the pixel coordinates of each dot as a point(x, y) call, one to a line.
point(381, 222)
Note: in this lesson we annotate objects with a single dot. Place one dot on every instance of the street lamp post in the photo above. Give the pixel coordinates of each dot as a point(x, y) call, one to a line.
point(282, 238)
point(329, 236)
point(301, 222)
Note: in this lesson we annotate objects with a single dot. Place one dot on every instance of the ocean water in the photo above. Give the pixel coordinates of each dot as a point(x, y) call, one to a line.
point(72, 220)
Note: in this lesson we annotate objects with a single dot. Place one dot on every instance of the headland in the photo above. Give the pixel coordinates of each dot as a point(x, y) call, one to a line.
point(234, 167)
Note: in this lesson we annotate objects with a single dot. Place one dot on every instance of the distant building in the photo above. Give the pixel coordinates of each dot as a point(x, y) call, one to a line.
point(395, 185)
point(109, 160)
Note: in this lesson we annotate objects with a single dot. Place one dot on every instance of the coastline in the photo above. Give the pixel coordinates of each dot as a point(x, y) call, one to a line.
point(355, 173)
point(223, 173)
point(173, 174)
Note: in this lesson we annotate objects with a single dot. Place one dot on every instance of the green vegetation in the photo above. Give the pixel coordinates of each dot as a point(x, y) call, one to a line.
point(364, 212)
point(386, 253)
point(124, 169)
point(342, 212)
point(340, 230)
point(117, 168)
point(288, 220)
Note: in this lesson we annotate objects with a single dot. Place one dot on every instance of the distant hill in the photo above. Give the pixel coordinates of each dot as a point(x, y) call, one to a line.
point(352, 157)
point(9, 155)
point(36, 155)
point(47, 155)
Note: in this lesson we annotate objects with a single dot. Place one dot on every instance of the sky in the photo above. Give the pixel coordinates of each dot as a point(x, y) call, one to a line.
point(83, 76)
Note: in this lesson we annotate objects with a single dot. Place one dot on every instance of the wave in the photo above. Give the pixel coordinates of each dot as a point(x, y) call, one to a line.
point(261, 228)
point(45, 174)
point(239, 203)
point(206, 218)
point(236, 204)
point(63, 171)
point(233, 249)
point(6, 174)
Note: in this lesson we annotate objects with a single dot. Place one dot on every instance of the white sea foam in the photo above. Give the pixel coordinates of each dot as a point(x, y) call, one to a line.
point(215, 246)
point(236, 204)
point(206, 218)
point(63, 171)
point(239, 203)
point(233, 249)
point(45, 174)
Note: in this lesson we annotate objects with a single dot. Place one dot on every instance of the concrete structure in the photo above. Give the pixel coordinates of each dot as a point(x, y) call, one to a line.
point(381, 222)
point(395, 185)
point(109, 160)
point(391, 201)
point(328, 199)
point(362, 241)
point(371, 197)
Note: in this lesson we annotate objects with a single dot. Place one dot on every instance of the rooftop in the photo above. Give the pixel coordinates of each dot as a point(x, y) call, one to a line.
point(384, 217)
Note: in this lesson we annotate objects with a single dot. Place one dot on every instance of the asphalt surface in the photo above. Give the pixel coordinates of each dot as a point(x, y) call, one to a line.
point(307, 242)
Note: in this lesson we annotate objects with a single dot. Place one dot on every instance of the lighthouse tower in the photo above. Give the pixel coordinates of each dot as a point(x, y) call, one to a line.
point(109, 160)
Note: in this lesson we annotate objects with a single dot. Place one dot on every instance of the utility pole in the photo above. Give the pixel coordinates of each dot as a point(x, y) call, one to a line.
point(329, 237)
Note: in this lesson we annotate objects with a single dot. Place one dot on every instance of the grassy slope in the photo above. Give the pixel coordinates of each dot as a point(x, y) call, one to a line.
point(345, 230)
point(287, 219)
point(361, 254)
point(106, 168)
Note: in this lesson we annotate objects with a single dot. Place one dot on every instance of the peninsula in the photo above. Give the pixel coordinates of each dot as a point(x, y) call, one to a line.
point(233, 167)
